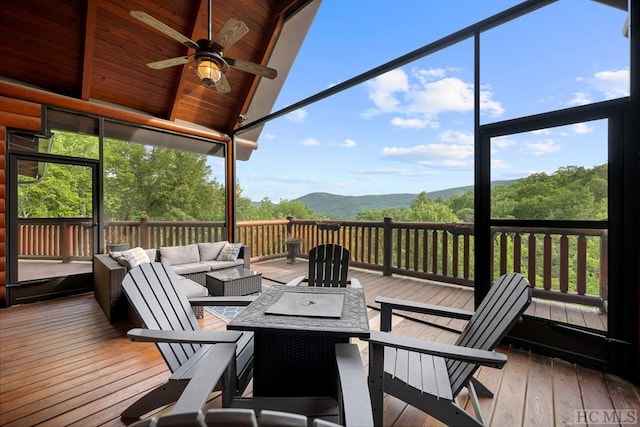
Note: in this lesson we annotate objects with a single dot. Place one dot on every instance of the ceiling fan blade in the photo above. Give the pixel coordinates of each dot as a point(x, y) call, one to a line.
point(251, 67)
point(166, 63)
point(232, 31)
point(163, 28)
point(223, 85)
point(625, 27)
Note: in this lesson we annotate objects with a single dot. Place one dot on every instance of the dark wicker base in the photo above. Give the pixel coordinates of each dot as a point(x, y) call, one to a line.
point(237, 287)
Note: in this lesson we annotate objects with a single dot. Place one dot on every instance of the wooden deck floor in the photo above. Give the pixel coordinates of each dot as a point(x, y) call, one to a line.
point(62, 363)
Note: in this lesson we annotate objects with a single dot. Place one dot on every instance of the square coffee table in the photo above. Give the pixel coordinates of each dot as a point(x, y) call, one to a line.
point(233, 282)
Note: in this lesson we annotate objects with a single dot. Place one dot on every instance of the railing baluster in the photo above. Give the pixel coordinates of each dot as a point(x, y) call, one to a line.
point(564, 263)
point(445, 252)
point(517, 252)
point(467, 256)
point(546, 280)
point(454, 252)
point(407, 251)
point(434, 252)
point(581, 276)
point(503, 252)
point(531, 267)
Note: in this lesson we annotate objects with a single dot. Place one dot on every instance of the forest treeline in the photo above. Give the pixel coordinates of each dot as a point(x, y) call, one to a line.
point(172, 185)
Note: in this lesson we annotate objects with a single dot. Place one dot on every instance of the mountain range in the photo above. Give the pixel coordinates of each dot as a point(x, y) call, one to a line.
point(346, 207)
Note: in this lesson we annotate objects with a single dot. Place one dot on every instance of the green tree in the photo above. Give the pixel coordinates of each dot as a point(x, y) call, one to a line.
point(161, 183)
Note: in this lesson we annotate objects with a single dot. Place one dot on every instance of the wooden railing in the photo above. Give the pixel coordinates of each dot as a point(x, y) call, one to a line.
point(568, 264)
point(64, 239)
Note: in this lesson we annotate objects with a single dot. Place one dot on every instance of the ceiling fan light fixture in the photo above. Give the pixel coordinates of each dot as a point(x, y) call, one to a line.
point(209, 71)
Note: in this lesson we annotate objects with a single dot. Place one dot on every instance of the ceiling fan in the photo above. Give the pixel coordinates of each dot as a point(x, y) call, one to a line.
point(208, 60)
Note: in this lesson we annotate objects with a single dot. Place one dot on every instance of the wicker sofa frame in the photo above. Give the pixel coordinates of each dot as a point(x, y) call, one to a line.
point(107, 284)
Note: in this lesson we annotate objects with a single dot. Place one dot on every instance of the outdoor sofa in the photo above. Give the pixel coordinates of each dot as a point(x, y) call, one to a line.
point(190, 262)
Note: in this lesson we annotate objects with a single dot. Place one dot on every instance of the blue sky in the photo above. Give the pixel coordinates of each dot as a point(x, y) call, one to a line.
point(411, 130)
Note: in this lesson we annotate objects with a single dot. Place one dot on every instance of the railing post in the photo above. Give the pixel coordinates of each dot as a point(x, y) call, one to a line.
point(289, 226)
point(66, 248)
point(386, 247)
point(145, 240)
point(604, 269)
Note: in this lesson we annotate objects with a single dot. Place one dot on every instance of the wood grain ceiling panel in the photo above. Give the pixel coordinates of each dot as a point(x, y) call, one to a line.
point(101, 54)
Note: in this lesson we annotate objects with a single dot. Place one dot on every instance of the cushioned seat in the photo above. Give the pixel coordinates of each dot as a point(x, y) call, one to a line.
point(192, 267)
point(192, 289)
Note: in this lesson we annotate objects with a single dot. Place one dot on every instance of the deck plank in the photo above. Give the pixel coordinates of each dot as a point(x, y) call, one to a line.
point(566, 393)
point(538, 409)
point(510, 400)
point(62, 363)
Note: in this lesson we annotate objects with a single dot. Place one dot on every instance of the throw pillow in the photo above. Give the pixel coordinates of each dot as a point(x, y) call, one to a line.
point(133, 257)
point(210, 251)
point(230, 252)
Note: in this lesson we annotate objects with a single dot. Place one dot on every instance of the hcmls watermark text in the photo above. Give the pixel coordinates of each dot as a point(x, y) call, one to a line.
point(606, 416)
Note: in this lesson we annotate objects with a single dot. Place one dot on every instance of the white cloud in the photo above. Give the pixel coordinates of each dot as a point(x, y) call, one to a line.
point(447, 94)
point(488, 105)
point(449, 163)
point(349, 143)
point(393, 171)
point(540, 148)
point(502, 142)
point(614, 84)
point(431, 153)
point(610, 83)
point(409, 123)
point(418, 99)
point(582, 128)
point(499, 164)
point(383, 88)
point(268, 136)
point(297, 116)
point(542, 132)
point(580, 98)
point(456, 136)
point(430, 74)
point(310, 142)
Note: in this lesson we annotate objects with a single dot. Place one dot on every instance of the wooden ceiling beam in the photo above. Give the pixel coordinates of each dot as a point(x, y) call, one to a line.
point(270, 36)
point(195, 34)
point(24, 93)
point(89, 48)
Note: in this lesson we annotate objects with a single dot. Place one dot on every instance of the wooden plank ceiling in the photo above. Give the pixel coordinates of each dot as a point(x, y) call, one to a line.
point(95, 50)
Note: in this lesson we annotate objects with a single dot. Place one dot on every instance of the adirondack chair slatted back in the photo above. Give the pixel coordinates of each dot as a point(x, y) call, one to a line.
point(153, 294)
point(499, 311)
point(328, 266)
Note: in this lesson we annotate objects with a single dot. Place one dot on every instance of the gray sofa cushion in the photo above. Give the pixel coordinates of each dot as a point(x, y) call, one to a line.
point(192, 267)
point(190, 288)
point(171, 255)
point(219, 265)
point(209, 251)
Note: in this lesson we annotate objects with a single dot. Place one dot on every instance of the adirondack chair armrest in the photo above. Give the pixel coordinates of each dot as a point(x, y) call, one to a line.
point(465, 354)
point(356, 404)
point(222, 301)
point(198, 337)
point(355, 283)
point(188, 409)
point(419, 307)
point(297, 281)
